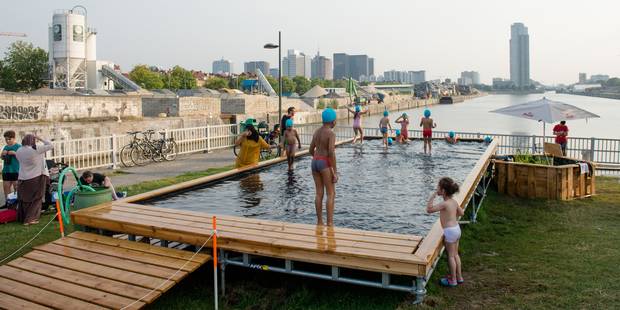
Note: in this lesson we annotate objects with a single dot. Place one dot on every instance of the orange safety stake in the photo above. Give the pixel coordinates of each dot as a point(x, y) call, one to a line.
point(59, 215)
point(215, 261)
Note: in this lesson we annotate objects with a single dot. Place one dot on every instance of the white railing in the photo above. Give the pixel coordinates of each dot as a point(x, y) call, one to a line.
point(97, 152)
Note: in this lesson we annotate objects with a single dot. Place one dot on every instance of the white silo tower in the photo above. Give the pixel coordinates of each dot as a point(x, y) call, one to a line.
point(69, 51)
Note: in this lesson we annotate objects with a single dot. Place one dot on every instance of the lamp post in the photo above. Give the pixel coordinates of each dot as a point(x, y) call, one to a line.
point(279, 47)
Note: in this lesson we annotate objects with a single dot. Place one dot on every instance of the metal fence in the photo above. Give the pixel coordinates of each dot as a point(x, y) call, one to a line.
point(89, 153)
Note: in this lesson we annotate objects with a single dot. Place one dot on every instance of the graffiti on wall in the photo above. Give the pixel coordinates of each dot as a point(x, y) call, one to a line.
point(19, 113)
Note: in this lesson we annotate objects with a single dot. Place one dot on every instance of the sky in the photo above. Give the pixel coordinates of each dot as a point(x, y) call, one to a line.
point(441, 37)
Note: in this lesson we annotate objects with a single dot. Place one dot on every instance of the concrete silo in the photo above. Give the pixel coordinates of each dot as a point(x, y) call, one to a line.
point(69, 37)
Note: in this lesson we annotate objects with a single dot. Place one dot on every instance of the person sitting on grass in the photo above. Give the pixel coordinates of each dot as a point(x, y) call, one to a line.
point(100, 180)
point(452, 138)
point(449, 212)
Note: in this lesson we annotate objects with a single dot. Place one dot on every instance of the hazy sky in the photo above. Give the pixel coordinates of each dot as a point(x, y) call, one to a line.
point(441, 37)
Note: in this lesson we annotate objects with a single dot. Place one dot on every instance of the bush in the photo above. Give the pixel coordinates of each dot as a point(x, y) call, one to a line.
point(321, 104)
point(333, 104)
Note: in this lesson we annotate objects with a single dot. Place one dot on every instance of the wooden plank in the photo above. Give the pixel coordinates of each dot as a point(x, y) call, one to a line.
point(570, 186)
point(511, 182)
point(551, 183)
point(11, 302)
point(226, 231)
point(200, 258)
point(110, 261)
point(43, 297)
point(85, 294)
point(531, 182)
point(86, 280)
point(175, 232)
point(208, 217)
point(125, 276)
point(127, 254)
point(501, 175)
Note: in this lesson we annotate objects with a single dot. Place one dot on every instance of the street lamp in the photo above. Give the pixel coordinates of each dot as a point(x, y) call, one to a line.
point(279, 47)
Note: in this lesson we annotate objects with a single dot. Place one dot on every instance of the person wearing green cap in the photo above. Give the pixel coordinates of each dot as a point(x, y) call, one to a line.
point(384, 124)
point(324, 172)
point(290, 143)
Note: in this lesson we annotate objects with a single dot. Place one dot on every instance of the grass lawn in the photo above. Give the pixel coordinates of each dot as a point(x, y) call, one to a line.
point(523, 254)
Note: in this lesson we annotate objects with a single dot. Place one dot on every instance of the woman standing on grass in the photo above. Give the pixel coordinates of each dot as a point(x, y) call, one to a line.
point(33, 178)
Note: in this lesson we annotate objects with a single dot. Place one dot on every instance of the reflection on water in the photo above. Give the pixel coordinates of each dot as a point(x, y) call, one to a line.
point(474, 116)
point(377, 190)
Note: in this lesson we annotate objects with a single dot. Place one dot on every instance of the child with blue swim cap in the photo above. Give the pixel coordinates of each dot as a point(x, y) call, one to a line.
point(357, 123)
point(451, 138)
point(427, 125)
point(384, 124)
point(288, 143)
point(324, 173)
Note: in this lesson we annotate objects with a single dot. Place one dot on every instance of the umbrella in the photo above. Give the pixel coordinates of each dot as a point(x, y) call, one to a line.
point(546, 111)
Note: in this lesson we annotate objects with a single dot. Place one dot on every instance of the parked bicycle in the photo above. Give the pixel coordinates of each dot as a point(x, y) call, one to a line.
point(141, 150)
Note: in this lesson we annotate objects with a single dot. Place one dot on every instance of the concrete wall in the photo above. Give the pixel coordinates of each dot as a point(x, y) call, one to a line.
point(152, 106)
point(254, 105)
point(35, 108)
point(88, 129)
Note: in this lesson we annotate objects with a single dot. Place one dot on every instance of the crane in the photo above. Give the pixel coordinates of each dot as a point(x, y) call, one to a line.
point(12, 34)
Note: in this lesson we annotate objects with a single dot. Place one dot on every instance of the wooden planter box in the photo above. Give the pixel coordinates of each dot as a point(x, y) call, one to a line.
point(562, 181)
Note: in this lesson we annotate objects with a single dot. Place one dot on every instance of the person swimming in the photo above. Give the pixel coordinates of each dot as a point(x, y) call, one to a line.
point(290, 137)
point(452, 138)
point(403, 120)
point(357, 123)
point(427, 125)
point(323, 165)
point(384, 124)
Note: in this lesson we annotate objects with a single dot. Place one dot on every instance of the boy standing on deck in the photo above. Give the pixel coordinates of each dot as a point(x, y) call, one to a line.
point(291, 140)
point(10, 167)
point(427, 125)
point(323, 151)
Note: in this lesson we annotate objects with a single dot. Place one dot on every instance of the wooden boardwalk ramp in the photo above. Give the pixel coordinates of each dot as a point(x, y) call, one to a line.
point(89, 271)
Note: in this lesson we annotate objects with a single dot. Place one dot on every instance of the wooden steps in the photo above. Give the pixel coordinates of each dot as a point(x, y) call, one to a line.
point(343, 247)
point(88, 271)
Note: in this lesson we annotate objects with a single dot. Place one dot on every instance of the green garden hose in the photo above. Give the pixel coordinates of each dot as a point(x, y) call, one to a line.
point(65, 207)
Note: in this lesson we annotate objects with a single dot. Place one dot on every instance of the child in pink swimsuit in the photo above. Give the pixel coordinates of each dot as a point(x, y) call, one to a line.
point(403, 120)
point(357, 123)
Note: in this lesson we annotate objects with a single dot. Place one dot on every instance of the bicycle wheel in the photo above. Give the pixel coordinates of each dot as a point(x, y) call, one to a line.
point(156, 151)
point(137, 156)
point(125, 156)
point(170, 150)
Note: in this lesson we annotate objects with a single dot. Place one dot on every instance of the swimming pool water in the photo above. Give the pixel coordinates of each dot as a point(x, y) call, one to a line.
point(377, 190)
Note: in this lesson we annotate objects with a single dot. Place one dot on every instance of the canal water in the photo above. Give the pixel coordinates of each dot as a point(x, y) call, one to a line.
point(378, 190)
point(474, 116)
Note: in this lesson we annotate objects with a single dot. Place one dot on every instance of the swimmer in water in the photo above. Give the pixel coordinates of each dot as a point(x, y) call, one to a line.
point(403, 120)
point(449, 213)
point(289, 145)
point(384, 124)
point(452, 138)
point(324, 172)
point(357, 123)
point(427, 125)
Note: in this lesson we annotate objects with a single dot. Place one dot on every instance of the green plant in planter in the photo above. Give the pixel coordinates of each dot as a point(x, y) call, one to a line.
point(321, 104)
point(527, 158)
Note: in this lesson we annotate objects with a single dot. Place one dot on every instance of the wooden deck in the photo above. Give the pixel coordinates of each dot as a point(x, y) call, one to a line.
point(374, 251)
point(88, 271)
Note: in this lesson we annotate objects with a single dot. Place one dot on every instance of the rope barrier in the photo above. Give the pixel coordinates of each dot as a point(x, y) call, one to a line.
point(172, 276)
point(29, 241)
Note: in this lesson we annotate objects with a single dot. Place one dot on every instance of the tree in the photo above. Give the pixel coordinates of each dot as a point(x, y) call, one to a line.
point(24, 68)
point(613, 82)
point(340, 83)
point(179, 78)
point(288, 86)
point(216, 83)
point(302, 84)
point(273, 82)
point(143, 76)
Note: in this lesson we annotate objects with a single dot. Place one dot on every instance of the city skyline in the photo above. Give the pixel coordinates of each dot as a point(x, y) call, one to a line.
point(562, 42)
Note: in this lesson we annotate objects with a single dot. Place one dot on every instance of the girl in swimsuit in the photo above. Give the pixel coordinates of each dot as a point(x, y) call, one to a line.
point(357, 123)
point(449, 213)
point(403, 120)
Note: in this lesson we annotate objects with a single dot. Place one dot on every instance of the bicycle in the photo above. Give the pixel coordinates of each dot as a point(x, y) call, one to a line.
point(126, 150)
point(140, 150)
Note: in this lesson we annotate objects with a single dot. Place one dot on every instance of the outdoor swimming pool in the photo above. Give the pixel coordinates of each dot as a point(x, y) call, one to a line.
point(377, 190)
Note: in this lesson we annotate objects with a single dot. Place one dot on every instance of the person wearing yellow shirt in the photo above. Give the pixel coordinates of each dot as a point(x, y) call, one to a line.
point(251, 144)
